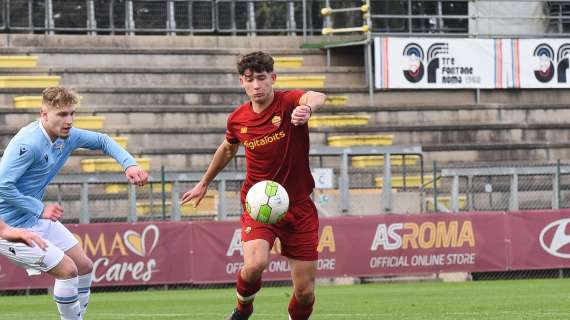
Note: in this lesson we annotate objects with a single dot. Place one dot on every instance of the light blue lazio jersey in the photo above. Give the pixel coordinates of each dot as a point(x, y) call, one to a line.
point(31, 161)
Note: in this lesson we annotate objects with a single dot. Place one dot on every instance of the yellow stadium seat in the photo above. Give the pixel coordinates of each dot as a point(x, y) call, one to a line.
point(361, 140)
point(288, 62)
point(109, 165)
point(336, 100)
point(123, 187)
point(339, 120)
point(122, 141)
point(28, 81)
point(208, 206)
point(300, 82)
point(411, 182)
point(18, 61)
point(444, 201)
point(89, 122)
point(378, 161)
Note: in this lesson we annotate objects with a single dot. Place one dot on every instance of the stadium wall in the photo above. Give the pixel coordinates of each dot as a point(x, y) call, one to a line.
point(357, 246)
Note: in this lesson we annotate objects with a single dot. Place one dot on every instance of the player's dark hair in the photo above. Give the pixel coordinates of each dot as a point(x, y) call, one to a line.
point(257, 61)
point(59, 97)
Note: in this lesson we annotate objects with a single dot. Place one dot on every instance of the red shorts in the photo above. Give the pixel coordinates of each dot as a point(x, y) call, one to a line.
point(298, 232)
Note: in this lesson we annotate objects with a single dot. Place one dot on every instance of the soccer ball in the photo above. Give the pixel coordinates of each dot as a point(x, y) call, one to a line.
point(267, 202)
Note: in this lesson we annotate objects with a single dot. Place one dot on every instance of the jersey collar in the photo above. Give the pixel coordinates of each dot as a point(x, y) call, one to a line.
point(45, 133)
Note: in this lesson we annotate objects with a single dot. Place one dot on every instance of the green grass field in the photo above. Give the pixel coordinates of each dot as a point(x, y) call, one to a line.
point(518, 299)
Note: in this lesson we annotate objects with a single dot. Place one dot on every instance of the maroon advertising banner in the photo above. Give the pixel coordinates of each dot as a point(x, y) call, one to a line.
point(122, 254)
point(539, 239)
point(210, 252)
point(369, 245)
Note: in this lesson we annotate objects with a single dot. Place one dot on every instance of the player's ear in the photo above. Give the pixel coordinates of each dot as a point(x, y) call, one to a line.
point(273, 77)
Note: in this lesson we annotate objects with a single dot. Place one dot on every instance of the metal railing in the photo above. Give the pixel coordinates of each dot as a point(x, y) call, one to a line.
point(480, 18)
point(508, 188)
point(78, 192)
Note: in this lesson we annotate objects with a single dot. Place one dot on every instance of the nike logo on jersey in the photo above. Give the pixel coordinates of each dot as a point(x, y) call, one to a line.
point(23, 150)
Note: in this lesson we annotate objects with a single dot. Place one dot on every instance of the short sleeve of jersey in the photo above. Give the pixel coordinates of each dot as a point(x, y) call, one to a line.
point(290, 99)
point(230, 135)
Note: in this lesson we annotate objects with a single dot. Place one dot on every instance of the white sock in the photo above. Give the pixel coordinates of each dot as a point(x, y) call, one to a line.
point(67, 299)
point(84, 291)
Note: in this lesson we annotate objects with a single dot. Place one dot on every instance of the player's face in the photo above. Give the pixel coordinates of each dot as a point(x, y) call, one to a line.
point(258, 85)
point(58, 121)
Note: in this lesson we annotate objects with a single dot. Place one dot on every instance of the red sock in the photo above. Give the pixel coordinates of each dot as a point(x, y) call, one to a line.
point(299, 311)
point(247, 291)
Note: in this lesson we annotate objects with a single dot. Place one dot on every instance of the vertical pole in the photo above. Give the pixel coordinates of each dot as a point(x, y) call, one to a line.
point(191, 17)
point(455, 194)
point(251, 24)
point(233, 17)
point(387, 184)
point(129, 18)
point(434, 186)
point(132, 204)
point(170, 18)
point(175, 214)
point(344, 184)
point(291, 23)
point(222, 214)
point(556, 187)
point(84, 216)
point(369, 72)
point(91, 21)
point(49, 22)
point(304, 20)
point(163, 191)
point(514, 197)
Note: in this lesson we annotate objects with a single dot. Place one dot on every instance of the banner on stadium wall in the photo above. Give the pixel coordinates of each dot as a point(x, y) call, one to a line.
point(123, 254)
point(540, 63)
point(439, 63)
point(209, 252)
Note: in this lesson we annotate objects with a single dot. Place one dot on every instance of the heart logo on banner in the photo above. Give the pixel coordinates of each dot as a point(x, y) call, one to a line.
point(136, 242)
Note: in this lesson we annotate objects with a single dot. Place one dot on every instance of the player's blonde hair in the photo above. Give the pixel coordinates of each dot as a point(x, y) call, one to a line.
point(59, 97)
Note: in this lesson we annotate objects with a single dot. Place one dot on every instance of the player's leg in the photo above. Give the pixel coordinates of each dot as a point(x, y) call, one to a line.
point(65, 291)
point(84, 269)
point(60, 236)
point(255, 260)
point(54, 262)
point(303, 276)
point(299, 243)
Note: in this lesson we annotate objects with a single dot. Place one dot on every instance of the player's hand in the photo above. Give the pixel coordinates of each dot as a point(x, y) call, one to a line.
point(196, 194)
point(300, 115)
point(136, 175)
point(52, 212)
point(24, 236)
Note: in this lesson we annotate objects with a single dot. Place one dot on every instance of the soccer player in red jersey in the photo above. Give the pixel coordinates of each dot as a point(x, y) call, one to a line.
point(273, 128)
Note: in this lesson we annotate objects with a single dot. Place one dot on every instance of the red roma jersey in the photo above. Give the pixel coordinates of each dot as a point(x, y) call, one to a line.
point(275, 149)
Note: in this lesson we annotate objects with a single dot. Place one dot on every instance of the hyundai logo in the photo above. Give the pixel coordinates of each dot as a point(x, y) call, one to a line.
point(559, 240)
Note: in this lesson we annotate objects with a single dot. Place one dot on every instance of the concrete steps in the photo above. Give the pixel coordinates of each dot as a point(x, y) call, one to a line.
point(163, 76)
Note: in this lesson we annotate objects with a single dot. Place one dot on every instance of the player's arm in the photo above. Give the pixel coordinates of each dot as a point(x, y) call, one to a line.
point(21, 235)
point(223, 155)
point(309, 102)
point(98, 141)
point(15, 162)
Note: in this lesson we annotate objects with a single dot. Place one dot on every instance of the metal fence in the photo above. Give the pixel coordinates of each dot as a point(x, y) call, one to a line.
point(500, 188)
point(350, 190)
point(284, 17)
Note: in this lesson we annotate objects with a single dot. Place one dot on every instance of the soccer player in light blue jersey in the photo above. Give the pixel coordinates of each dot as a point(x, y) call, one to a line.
point(31, 160)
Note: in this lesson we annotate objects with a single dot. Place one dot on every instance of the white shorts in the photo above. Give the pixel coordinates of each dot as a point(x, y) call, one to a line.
point(57, 237)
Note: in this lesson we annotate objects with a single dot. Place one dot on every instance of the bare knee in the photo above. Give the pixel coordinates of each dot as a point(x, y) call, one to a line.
point(305, 293)
point(253, 270)
point(65, 269)
point(85, 266)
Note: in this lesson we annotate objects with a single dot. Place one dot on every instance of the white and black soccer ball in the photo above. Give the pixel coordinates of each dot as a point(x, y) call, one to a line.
point(267, 202)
